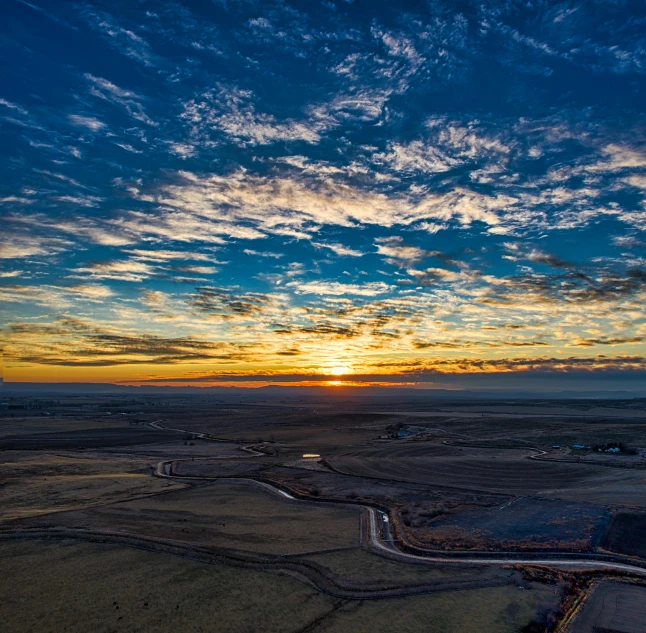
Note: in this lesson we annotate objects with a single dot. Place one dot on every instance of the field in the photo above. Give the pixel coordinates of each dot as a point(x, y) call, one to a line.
point(626, 534)
point(494, 610)
point(514, 473)
point(613, 608)
point(102, 588)
point(42, 424)
point(220, 468)
point(182, 449)
point(107, 492)
point(86, 438)
point(36, 483)
point(236, 515)
point(534, 521)
point(359, 565)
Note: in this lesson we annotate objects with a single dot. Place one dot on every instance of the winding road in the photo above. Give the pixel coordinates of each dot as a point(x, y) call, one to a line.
point(380, 541)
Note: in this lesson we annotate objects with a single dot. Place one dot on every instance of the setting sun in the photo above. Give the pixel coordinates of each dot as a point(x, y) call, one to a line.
point(340, 370)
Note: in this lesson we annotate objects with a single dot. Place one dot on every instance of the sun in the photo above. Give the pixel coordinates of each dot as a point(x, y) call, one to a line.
point(340, 370)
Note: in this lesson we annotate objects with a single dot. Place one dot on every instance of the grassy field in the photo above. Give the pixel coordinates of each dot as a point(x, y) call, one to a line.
point(47, 588)
point(613, 607)
point(37, 483)
point(236, 515)
point(362, 566)
point(492, 610)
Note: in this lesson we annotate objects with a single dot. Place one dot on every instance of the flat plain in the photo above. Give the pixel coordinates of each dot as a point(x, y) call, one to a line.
point(261, 504)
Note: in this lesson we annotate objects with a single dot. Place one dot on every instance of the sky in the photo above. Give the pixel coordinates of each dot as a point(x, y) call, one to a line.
point(239, 192)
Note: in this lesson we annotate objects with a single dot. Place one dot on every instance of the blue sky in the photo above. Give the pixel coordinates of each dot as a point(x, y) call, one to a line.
point(280, 191)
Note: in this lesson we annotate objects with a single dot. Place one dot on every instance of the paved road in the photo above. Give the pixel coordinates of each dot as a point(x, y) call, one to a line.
point(380, 539)
point(377, 542)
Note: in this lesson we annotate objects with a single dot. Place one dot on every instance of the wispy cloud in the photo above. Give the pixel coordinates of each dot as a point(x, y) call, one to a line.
point(369, 289)
point(339, 249)
point(231, 112)
point(130, 101)
point(91, 123)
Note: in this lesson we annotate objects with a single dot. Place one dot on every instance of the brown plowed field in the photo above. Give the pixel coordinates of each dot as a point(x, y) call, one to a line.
point(510, 473)
point(615, 608)
point(625, 534)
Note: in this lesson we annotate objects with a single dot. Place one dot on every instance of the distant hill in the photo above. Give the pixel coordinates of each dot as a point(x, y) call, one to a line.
point(335, 393)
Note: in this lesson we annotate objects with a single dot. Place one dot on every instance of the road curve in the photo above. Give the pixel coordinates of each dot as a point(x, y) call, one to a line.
point(377, 542)
point(380, 545)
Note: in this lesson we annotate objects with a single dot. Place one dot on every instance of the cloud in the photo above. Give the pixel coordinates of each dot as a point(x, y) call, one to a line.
point(90, 291)
point(369, 289)
point(586, 367)
point(122, 39)
point(224, 303)
point(130, 101)
point(14, 106)
point(22, 246)
point(128, 270)
point(183, 150)
point(48, 14)
point(503, 218)
point(55, 297)
point(570, 287)
point(166, 255)
point(396, 250)
point(231, 112)
point(415, 156)
point(591, 342)
point(339, 249)
point(91, 123)
point(250, 206)
point(94, 231)
point(250, 251)
point(76, 343)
